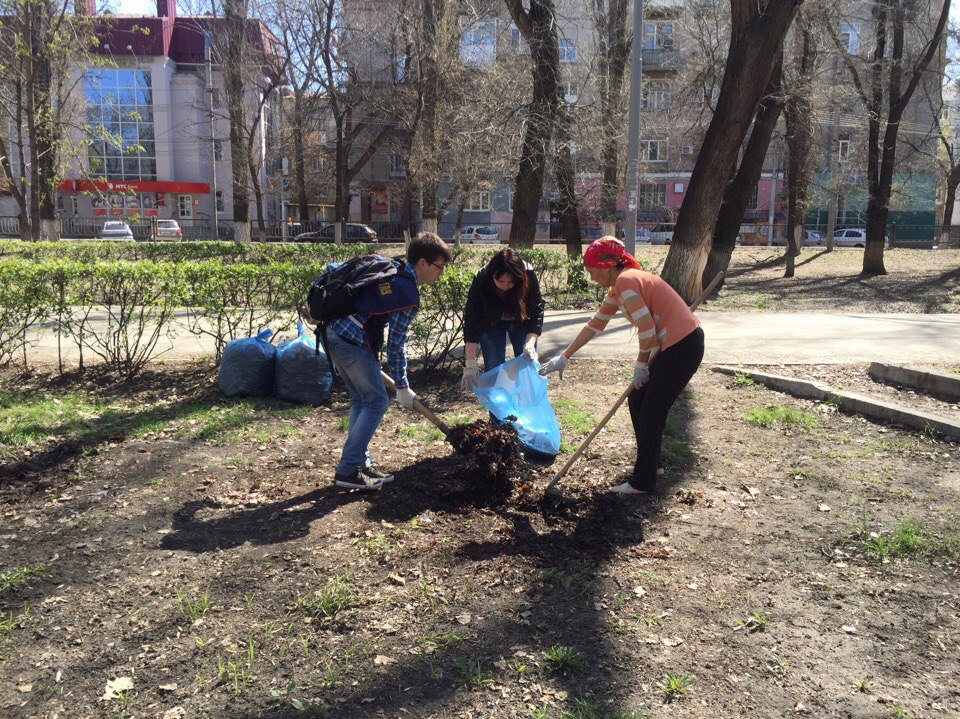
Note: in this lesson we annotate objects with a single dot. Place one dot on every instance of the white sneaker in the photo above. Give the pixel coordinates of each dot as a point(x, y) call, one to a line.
point(626, 488)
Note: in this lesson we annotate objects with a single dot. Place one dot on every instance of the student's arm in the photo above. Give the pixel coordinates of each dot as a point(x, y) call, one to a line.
point(608, 308)
point(399, 324)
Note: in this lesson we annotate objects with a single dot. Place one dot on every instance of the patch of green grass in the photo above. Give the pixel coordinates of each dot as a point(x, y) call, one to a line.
point(742, 379)
point(238, 462)
point(191, 609)
point(438, 642)
point(572, 418)
point(564, 659)
point(771, 414)
point(155, 482)
point(752, 624)
point(343, 424)
point(908, 539)
point(27, 420)
point(18, 576)
point(585, 709)
point(470, 672)
point(421, 433)
point(333, 597)
point(675, 453)
point(674, 686)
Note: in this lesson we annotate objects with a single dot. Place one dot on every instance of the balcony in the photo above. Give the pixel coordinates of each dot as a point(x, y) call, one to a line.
point(662, 58)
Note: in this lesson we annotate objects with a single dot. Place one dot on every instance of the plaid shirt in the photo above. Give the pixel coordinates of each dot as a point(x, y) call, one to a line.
point(351, 329)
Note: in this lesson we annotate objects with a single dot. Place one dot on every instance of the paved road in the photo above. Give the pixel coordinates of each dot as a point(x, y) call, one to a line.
point(740, 337)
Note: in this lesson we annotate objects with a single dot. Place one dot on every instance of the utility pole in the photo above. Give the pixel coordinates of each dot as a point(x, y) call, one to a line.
point(633, 127)
point(213, 138)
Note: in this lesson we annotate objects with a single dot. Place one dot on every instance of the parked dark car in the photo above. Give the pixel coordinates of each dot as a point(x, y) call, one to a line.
point(355, 232)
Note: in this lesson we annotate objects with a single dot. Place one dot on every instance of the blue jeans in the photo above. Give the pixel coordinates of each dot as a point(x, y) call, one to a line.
point(493, 343)
point(360, 371)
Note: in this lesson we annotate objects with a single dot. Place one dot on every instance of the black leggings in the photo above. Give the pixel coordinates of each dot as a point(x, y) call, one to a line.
point(649, 405)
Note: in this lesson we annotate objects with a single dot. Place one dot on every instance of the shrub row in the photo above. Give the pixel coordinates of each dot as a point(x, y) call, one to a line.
point(119, 311)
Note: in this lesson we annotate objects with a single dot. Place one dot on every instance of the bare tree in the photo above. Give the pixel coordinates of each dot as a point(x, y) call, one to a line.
point(610, 21)
point(757, 33)
point(39, 39)
point(885, 85)
point(799, 113)
point(538, 25)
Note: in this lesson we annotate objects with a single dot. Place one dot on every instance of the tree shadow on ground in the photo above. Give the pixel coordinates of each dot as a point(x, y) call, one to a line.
point(563, 604)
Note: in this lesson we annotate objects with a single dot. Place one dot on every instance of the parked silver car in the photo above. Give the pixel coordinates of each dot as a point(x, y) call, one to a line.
point(167, 230)
point(115, 230)
point(480, 234)
point(854, 237)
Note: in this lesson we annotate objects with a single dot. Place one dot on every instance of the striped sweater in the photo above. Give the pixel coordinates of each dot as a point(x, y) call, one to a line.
point(653, 307)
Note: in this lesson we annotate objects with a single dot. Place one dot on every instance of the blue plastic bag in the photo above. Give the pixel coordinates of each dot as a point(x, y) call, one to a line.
point(247, 366)
point(303, 375)
point(514, 390)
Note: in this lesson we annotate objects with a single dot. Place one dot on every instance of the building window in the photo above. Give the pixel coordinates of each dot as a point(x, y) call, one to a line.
point(185, 206)
point(658, 36)
point(653, 150)
point(850, 38)
point(686, 149)
point(652, 196)
point(218, 150)
point(843, 148)
point(655, 95)
point(399, 68)
point(221, 205)
point(678, 188)
point(754, 201)
point(478, 44)
point(517, 43)
point(568, 53)
point(396, 165)
point(479, 202)
point(120, 124)
point(571, 91)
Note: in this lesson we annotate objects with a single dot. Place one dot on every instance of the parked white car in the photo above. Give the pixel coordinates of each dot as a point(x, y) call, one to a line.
point(479, 235)
point(853, 237)
point(114, 230)
point(168, 230)
point(811, 238)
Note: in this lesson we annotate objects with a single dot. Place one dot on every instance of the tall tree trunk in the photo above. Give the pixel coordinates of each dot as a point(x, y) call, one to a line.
point(299, 156)
point(235, 23)
point(799, 113)
point(433, 12)
point(739, 190)
point(563, 167)
point(614, 51)
point(539, 28)
point(953, 180)
point(756, 38)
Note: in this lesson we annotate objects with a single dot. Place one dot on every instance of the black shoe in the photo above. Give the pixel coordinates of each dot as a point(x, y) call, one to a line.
point(357, 480)
point(376, 473)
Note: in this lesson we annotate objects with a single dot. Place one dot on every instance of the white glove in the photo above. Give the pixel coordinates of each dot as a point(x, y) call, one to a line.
point(530, 350)
point(470, 374)
point(557, 364)
point(406, 397)
point(641, 374)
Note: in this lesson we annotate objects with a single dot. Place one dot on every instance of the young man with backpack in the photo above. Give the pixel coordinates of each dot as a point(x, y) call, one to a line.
point(384, 295)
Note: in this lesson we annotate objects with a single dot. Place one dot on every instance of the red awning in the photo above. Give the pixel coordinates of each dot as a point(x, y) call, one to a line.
point(179, 188)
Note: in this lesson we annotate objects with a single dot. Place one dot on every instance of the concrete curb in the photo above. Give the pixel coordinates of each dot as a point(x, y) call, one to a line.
point(861, 404)
point(938, 384)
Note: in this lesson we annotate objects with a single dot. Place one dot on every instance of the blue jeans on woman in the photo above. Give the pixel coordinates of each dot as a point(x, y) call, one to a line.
point(493, 343)
point(360, 371)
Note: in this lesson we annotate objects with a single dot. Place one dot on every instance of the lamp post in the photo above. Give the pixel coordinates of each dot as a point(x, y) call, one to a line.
point(633, 127)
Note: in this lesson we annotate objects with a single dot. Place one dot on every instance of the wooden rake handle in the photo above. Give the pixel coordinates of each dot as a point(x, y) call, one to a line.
point(418, 405)
point(621, 399)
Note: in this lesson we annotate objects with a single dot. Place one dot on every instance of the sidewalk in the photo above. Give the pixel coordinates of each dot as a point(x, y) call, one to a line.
point(732, 337)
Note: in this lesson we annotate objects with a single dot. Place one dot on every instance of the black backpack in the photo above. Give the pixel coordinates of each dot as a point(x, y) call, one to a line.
point(335, 292)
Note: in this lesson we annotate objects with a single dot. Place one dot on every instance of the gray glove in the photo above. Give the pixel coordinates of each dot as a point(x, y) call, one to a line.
point(557, 364)
point(641, 374)
point(470, 374)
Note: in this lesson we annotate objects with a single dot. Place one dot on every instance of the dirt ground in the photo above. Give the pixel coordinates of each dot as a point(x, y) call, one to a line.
point(916, 281)
point(166, 552)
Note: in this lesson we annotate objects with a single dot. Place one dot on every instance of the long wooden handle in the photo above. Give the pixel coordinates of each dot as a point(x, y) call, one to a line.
point(417, 405)
point(626, 393)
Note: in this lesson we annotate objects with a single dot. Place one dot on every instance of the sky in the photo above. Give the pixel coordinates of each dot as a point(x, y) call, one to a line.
point(135, 7)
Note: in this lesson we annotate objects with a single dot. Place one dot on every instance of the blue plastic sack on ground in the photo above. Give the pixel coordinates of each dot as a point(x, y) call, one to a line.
point(247, 366)
point(515, 390)
point(303, 375)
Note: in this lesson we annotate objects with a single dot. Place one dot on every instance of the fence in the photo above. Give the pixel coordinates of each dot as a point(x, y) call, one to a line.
point(493, 233)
